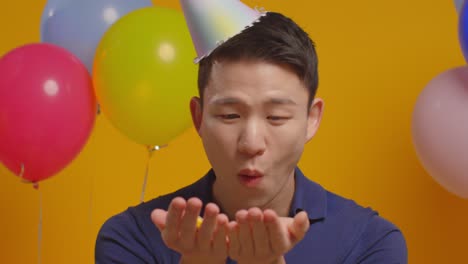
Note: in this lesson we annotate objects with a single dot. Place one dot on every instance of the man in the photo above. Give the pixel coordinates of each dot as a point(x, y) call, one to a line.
point(256, 111)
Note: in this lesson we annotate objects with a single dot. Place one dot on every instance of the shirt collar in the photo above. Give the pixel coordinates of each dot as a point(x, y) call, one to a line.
point(308, 196)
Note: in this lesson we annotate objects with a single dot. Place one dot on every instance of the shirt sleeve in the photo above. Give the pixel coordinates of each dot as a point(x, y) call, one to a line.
point(383, 243)
point(120, 241)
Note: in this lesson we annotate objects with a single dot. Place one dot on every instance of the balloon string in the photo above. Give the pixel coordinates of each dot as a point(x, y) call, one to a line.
point(39, 236)
point(39, 225)
point(91, 192)
point(21, 171)
point(91, 197)
point(145, 180)
point(21, 175)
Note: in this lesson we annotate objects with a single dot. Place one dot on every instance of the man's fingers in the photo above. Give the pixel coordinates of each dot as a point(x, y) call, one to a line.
point(219, 239)
point(207, 228)
point(233, 235)
point(170, 233)
point(259, 233)
point(276, 232)
point(245, 234)
point(188, 225)
point(158, 216)
point(299, 227)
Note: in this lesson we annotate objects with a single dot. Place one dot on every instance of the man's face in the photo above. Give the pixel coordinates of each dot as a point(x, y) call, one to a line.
point(254, 125)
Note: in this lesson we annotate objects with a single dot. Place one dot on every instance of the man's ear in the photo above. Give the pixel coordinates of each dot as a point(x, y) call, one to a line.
point(314, 117)
point(196, 110)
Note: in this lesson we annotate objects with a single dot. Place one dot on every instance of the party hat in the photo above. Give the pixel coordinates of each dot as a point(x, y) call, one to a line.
point(212, 22)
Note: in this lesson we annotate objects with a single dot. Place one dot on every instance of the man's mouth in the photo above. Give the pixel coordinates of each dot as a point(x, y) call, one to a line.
point(250, 177)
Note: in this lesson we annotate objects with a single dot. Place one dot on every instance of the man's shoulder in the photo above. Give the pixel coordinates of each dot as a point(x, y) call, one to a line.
point(347, 210)
point(373, 238)
point(341, 207)
point(140, 214)
point(132, 233)
point(135, 221)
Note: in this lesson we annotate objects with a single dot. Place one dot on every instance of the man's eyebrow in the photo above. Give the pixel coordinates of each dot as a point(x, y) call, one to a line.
point(271, 101)
point(281, 101)
point(226, 101)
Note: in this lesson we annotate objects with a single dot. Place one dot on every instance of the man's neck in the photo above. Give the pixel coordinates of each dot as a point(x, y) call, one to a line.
point(280, 202)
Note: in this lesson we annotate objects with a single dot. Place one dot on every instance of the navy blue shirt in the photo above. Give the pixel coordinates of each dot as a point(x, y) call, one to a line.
point(341, 231)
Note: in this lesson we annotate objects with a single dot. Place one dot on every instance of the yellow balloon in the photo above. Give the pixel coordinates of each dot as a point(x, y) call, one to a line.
point(144, 75)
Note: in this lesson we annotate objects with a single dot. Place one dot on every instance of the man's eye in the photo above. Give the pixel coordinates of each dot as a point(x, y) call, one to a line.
point(277, 118)
point(229, 116)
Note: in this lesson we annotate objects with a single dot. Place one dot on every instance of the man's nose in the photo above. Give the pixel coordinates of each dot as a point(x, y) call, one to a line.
point(252, 139)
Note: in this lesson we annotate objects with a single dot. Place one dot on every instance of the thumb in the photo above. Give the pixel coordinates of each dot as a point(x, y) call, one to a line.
point(299, 226)
point(158, 217)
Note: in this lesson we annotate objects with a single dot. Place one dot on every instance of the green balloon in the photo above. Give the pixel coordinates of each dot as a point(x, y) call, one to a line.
point(144, 75)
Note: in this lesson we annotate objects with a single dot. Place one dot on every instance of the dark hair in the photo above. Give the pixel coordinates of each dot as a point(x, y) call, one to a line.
point(274, 38)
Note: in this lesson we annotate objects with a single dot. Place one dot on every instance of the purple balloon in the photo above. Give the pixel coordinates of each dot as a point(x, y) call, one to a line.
point(440, 130)
point(458, 4)
point(78, 25)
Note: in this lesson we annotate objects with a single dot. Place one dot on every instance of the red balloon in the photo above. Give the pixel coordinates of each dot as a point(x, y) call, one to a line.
point(47, 110)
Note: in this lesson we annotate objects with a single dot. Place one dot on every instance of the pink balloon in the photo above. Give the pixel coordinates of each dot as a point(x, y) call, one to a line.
point(47, 110)
point(440, 130)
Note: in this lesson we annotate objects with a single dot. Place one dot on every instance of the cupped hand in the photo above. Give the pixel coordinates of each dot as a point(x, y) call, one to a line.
point(178, 227)
point(263, 237)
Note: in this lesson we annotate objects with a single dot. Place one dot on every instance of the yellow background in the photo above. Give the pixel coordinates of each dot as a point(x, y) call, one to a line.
point(375, 58)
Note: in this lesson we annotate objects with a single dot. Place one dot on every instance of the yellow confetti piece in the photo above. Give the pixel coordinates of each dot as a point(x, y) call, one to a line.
point(199, 221)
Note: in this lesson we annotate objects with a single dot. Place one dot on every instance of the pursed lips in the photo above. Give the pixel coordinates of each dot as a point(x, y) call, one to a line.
point(250, 173)
point(250, 177)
